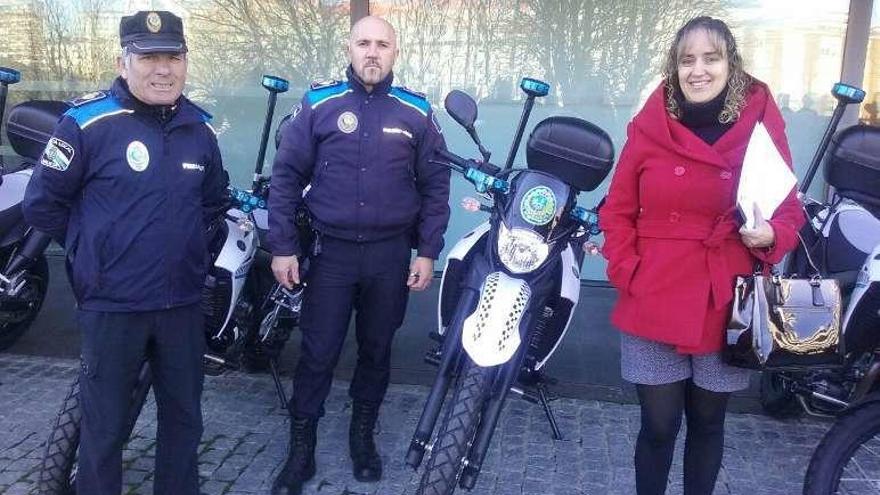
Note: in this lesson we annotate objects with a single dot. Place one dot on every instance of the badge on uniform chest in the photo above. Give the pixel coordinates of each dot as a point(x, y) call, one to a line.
point(137, 156)
point(347, 122)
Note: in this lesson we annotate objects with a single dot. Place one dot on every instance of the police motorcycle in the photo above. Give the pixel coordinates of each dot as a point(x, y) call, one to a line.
point(248, 317)
point(24, 278)
point(509, 287)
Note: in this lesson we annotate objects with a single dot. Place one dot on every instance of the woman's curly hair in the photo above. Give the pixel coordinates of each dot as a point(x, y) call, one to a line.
point(738, 81)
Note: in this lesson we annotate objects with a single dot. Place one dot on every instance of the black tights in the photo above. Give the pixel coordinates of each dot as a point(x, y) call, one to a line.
point(662, 406)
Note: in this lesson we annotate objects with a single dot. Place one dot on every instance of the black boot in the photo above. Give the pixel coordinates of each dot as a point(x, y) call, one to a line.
point(300, 465)
point(366, 464)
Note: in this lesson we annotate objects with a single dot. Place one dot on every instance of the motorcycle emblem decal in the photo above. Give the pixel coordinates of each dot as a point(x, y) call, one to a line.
point(347, 122)
point(154, 22)
point(57, 155)
point(137, 156)
point(538, 205)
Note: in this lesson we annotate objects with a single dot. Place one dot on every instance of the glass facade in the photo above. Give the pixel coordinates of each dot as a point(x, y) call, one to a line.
point(601, 57)
point(870, 110)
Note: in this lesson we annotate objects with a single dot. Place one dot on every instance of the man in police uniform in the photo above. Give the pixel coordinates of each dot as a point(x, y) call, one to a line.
point(363, 147)
point(126, 184)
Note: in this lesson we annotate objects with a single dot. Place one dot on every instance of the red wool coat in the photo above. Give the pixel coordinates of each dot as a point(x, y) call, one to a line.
point(671, 229)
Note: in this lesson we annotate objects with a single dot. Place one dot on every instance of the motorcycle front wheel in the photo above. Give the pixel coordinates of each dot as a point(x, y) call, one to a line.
point(17, 314)
point(57, 475)
point(457, 431)
point(847, 460)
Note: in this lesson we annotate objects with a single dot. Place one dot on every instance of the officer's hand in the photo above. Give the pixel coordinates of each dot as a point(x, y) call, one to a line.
point(421, 271)
point(286, 270)
point(761, 236)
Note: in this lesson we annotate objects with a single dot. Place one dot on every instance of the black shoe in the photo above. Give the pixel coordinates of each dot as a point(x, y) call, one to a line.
point(300, 464)
point(366, 463)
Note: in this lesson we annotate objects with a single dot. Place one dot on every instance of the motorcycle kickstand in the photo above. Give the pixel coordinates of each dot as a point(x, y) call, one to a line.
point(542, 395)
point(279, 387)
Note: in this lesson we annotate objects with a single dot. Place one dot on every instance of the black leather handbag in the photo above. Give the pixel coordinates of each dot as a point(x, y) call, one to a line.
point(779, 322)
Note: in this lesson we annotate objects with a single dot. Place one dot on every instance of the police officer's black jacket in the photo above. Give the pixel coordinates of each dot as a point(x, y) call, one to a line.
point(364, 158)
point(125, 187)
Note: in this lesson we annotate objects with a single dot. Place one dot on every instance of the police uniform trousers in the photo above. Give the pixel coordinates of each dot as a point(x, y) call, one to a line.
point(114, 346)
point(370, 279)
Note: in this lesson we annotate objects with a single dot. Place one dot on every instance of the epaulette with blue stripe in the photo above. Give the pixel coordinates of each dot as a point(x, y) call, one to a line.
point(410, 98)
point(322, 92)
point(94, 109)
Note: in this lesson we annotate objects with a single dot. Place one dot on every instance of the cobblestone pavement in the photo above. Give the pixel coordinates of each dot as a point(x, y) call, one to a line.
point(245, 440)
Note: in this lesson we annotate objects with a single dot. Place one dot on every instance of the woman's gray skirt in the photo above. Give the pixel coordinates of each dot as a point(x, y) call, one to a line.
point(648, 362)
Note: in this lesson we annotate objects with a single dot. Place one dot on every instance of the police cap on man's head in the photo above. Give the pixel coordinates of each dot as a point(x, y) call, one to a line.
point(151, 32)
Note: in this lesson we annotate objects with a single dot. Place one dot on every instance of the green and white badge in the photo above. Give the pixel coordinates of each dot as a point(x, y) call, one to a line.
point(538, 205)
point(137, 156)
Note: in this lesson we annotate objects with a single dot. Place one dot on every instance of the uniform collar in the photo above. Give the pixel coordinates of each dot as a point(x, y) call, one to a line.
point(382, 87)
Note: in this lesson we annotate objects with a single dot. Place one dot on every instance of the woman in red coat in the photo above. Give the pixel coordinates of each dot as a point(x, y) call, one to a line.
point(675, 245)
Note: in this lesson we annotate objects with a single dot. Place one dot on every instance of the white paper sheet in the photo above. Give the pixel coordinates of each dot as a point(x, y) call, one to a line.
point(765, 180)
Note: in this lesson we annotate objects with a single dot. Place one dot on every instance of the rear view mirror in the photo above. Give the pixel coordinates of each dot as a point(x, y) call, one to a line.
point(462, 108)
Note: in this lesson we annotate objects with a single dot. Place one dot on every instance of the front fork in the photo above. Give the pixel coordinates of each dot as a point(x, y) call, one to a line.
point(450, 362)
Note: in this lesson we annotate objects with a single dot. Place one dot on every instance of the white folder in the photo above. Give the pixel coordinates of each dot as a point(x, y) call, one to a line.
point(765, 180)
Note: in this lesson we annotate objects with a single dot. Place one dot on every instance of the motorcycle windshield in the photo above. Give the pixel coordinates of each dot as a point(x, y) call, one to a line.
point(537, 202)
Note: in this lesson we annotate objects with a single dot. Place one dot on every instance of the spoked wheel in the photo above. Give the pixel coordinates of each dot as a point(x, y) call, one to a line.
point(57, 474)
point(457, 431)
point(847, 460)
point(17, 314)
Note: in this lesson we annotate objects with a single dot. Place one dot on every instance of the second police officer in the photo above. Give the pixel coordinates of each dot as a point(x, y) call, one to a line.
point(357, 153)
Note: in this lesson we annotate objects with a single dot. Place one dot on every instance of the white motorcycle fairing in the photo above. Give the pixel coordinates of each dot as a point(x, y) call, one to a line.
point(490, 335)
point(458, 252)
point(237, 256)
point(571, 290)
point(868, 275)
point(13, 187)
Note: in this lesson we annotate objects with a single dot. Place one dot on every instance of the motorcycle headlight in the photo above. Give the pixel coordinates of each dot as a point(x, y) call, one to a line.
point(521, 250)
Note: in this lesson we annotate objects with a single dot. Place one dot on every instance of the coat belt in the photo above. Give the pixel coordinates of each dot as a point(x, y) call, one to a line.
point(713, 236)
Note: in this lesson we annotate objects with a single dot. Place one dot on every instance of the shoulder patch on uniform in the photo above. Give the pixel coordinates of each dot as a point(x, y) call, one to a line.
point(58, 154)
point(317, 96)
point(324, 84)
point(410, 98)
point(90, 112)
point(87, 98)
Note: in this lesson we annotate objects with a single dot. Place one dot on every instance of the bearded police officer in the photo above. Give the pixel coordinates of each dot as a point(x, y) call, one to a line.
point(126, 184)
point(363, 148)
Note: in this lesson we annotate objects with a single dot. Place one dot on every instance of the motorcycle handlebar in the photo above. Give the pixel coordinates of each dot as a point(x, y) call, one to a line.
point(246, 201)
point(453, 158)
